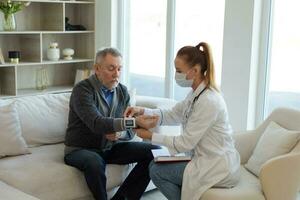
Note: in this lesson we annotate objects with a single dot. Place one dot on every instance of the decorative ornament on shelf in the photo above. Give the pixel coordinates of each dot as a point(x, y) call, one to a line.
point(42, 80)
point(9, 8)
point(70, 27)
point(68, 53)
point(14, 56)
point(53, 52)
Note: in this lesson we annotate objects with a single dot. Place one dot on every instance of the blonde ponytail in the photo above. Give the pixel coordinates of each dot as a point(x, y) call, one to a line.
point(208, 70)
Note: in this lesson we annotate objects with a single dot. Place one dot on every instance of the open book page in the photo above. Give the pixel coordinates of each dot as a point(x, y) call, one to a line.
point(163, 155)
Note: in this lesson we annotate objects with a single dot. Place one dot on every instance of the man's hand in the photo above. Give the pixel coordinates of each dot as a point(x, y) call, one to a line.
point(143, 133)
point(146, 121)
point(113, 136)
point(133, 111)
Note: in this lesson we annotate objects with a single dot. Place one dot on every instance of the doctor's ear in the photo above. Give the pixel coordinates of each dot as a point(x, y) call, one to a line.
point(197, 69)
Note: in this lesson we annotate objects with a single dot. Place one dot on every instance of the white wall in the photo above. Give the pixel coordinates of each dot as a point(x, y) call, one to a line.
point(106, 23)
point(240, 61)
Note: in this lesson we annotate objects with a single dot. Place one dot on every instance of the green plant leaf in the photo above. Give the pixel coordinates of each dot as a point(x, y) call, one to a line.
point(8, 7)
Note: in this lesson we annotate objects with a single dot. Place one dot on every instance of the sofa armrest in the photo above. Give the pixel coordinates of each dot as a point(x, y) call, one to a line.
point(10, 193)
point(154, 102)
point(245, 143)
point(280, 177)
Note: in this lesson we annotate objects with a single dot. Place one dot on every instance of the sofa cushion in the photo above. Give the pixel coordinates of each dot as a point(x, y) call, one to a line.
point(43, 118)
point(11, 140)
point(275, 141)
point(10, 193)
point(44, 175)
point(248, 188)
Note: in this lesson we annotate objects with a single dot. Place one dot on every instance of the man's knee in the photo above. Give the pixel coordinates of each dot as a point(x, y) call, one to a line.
point(86, 161)
point(95, 163)
point(149, 147)
point(143, 150)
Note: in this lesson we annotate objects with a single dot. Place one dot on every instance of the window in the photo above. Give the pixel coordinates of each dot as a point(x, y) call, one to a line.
point(149, 49)
point(200, 21)
point(147, 46)
point(284, 67)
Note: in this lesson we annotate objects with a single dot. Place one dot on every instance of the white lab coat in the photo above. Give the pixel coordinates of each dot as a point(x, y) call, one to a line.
point(207, 134)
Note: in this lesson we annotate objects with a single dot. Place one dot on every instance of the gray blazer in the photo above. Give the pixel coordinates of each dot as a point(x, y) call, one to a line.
point(90, 117)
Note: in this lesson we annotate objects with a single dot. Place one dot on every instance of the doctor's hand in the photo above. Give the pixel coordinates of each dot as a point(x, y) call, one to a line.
point(133, 111)
point(113, 136)
point(143, 133)
point(146, 121)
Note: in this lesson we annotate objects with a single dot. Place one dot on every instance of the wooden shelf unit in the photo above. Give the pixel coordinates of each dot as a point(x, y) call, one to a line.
point(39, 24)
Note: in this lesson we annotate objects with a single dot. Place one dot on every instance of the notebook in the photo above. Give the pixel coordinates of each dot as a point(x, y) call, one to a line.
point(163, 155)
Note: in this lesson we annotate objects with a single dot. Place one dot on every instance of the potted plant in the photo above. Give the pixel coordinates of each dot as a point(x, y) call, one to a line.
point(8, 8)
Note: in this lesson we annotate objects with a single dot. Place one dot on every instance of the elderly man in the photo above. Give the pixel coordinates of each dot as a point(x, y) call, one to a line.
point(97, 133)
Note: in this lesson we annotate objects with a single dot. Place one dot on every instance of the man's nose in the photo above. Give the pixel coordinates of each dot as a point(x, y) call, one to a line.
point(116, 73)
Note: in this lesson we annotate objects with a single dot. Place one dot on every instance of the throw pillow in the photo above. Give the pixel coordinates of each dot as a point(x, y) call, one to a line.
point(275, 141)
point(43, 118)
point(11, 140)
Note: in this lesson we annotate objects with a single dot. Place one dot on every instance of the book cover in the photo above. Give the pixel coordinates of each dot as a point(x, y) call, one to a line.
point(1, 57)
point(82, 74)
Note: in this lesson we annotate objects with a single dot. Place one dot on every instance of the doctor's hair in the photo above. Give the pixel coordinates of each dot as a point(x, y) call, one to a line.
point(101, 53)
point(200, 54)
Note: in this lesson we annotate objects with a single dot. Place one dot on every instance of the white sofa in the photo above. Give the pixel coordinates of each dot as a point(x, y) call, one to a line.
point(42, 174)
point(279, 178)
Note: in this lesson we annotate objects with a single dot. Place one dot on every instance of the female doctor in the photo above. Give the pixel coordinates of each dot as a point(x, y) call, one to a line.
point(206, 132)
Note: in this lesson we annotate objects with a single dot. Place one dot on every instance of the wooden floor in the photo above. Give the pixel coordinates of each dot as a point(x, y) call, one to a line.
point(153, 195)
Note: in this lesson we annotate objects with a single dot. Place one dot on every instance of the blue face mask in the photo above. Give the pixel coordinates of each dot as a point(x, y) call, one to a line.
point(181, 80)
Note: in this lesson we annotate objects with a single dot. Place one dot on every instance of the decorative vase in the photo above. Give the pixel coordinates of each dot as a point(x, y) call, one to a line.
point(53, 52)
point(9, 23)
point(68, 53)
point(42, 80)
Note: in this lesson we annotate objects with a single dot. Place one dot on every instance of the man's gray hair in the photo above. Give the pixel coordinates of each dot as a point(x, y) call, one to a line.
point(101, 53)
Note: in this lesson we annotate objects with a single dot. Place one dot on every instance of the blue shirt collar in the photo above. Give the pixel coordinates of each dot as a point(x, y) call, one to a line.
point(105, 90)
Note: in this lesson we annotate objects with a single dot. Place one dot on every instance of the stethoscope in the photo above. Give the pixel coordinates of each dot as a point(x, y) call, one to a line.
point(188, 112)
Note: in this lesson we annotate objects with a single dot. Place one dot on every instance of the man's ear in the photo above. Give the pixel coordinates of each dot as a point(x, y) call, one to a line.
point(97, 66)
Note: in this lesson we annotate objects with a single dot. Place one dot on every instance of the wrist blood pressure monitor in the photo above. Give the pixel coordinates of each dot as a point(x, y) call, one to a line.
point(129, 123)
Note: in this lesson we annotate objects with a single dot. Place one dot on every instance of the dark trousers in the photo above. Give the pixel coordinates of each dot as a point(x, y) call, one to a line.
point(92, 162)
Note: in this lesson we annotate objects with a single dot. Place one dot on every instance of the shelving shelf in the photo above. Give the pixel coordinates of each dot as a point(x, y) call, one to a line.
point(57, 1)
point(52, 89)
point(38, 25)
point(44, 32)
point(47, 62)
